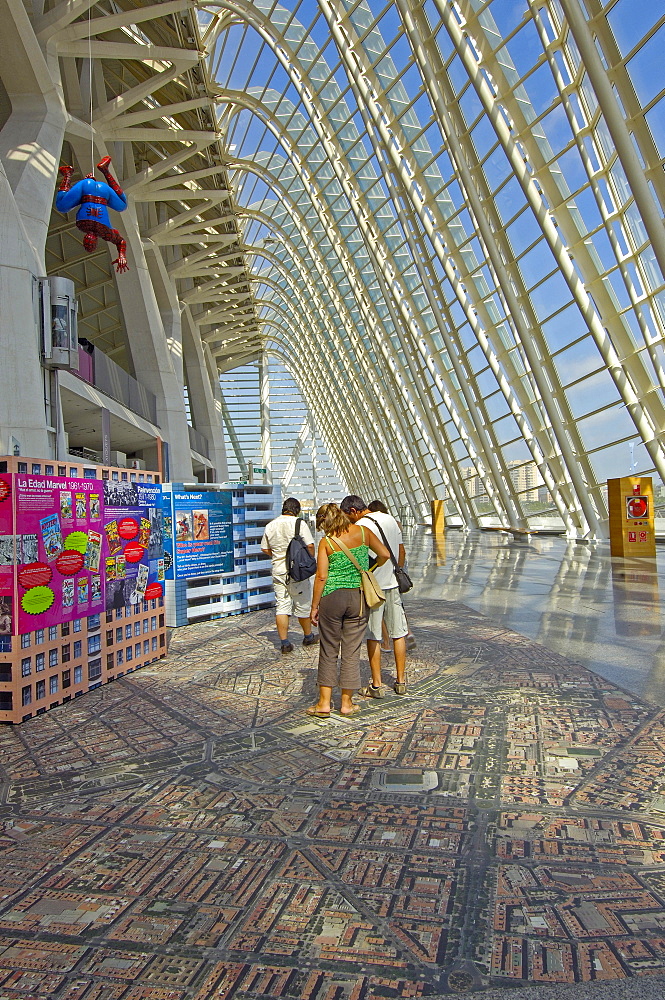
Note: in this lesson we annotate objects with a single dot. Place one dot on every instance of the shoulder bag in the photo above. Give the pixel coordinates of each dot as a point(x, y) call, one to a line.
point(404, 582)
point(374, 596)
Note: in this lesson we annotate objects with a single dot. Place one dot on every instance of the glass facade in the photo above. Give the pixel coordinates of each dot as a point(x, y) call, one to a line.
point(421, 240)
point(453, 216)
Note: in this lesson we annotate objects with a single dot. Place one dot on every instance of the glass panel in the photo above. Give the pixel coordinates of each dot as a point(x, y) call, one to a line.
point(645, 68)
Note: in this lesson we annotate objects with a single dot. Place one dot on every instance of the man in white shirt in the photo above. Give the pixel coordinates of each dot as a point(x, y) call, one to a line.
point(392, 611)
point(294, 597)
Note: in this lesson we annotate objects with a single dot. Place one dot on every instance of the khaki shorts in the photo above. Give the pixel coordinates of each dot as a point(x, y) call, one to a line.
point(392, 612)
point(294, 598)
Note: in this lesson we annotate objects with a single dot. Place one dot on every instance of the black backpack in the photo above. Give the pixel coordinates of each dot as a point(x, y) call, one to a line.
point(300, 565)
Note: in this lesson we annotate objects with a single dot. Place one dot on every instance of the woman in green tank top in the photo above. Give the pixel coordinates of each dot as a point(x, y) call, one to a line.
point(338, 607)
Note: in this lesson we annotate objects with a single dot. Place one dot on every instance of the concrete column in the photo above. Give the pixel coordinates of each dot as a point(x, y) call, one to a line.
point(22, 413)
point(30, 145)
point(149, 349)
point(204, 401)
point(169, 308)
point(31, 140)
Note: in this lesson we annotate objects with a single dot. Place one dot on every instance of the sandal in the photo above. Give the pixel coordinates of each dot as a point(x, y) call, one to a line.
point(354, 711)
point(314, 711)
point(399, 687)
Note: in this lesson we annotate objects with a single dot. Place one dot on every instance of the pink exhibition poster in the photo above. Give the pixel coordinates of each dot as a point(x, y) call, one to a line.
point(70, 548)
point(7, 555)
point(56, 532)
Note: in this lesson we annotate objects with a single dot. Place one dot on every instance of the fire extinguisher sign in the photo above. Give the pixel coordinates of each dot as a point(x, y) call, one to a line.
point(637, 507)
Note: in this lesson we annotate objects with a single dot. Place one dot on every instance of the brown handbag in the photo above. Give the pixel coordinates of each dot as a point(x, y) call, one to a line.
point(374, 596)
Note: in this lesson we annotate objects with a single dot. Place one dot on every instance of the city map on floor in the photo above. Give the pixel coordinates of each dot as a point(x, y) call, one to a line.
point(187, 832)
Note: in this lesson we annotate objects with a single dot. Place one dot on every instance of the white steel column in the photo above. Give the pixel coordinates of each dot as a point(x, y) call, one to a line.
point(616, 123)
point(264, 396)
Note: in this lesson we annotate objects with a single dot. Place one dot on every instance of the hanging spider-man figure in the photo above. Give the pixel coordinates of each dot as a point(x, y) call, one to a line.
point(92, 217)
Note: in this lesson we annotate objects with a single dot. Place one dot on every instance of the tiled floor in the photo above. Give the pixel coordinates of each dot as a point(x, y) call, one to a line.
point(187, 833)
point(608, 614)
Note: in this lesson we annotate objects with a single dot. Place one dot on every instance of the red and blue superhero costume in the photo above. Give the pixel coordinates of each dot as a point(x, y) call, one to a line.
point(92, 218)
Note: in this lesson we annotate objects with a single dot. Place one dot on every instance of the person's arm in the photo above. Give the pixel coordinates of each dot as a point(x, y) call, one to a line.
point(265, 545)
point(310, 549)
point(378, 548)
point(401, 557)
point(319, 580)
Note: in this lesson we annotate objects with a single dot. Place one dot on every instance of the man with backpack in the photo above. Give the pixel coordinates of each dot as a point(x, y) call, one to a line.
point(289, 543)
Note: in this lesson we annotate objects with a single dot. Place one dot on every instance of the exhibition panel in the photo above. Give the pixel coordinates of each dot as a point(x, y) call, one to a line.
point(81, 580)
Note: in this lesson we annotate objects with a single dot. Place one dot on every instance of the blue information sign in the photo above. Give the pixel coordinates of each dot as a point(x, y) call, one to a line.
point(198, 532)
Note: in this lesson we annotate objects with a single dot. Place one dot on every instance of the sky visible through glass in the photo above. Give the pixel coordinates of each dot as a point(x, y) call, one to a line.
point(442, 221)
